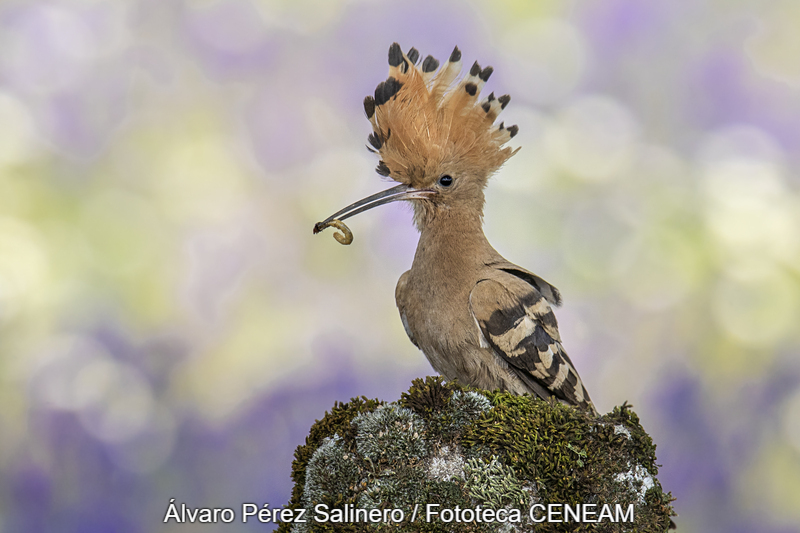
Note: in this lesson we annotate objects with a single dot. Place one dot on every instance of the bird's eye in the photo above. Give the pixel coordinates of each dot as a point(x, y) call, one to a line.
point(446, 180)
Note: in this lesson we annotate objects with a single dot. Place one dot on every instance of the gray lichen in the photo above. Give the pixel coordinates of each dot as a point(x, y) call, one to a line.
point(446, 445)
point(331, 470)
point(447, 464)
point(638, 479)
point(389, 434)
point(495, 484)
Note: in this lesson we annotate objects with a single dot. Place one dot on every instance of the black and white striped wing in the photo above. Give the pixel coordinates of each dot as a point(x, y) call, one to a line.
point(518, 323)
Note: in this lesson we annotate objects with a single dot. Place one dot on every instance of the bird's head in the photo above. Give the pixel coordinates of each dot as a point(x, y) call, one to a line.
point(435, 138)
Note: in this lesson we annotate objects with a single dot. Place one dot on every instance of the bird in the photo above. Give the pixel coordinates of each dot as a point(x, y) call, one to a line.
point(478, 318)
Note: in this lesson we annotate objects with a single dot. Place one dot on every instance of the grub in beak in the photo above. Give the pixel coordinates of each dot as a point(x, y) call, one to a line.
point(400, 192)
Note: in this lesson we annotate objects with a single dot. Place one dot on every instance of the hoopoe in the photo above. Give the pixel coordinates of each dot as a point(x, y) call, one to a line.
point(477, 317)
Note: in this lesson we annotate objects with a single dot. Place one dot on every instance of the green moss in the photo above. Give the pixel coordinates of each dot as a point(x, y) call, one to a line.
point(571, 456)
point(520, 429)
point(428, 396)
point(458, 447)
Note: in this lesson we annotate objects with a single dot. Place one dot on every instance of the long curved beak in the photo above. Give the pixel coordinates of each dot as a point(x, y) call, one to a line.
point(400, 192)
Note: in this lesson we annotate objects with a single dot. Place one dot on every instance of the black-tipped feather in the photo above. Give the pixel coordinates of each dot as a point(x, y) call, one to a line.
point(475, 70)
point(386, 89)
point(395, 55)
point(369, 106)
point(375, 141)
point(382, 169)
point(455, 55)
point(430, 64)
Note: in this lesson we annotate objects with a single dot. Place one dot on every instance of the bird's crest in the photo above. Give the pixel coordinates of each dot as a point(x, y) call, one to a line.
point(422, 121)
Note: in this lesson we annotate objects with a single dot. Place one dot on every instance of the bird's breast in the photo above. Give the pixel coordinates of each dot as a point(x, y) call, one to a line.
point(436, 316)
point(438, 320)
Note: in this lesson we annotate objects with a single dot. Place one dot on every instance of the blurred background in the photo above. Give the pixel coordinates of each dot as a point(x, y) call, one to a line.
point(170, 328)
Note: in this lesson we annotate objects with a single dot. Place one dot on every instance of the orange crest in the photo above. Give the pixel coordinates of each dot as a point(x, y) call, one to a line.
point(422, 123)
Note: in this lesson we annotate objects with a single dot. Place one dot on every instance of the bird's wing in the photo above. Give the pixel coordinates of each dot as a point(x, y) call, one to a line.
point(401, 306)
point(518, 323)
point(549, 292)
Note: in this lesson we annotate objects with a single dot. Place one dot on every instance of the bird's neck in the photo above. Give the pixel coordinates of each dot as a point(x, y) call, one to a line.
point(453, 241)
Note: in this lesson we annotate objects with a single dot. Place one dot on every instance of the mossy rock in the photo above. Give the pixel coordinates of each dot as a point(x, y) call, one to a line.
point(485, 458)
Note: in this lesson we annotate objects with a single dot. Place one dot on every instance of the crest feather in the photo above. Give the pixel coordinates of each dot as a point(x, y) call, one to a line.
point(432, 121)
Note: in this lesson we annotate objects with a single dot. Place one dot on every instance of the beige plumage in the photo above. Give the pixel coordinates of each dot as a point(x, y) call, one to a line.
point(477, 317)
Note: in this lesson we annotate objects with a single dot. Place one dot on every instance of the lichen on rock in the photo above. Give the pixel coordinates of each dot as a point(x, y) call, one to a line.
point(460, 448)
